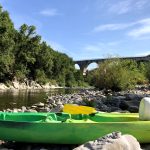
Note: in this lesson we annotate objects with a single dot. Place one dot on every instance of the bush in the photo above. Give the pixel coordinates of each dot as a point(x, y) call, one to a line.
point(40, 77)
point(147, 72)
point(21, 72)
point(61, 81)
point(53, 82)
point(118, 75)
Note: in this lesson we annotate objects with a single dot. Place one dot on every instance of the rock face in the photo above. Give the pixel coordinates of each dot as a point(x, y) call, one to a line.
point(27, 84)
point(113, 141)
point(3, 86)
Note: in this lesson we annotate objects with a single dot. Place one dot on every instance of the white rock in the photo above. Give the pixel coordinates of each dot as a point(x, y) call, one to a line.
point(125, 142)
point(3, 86)
point(144, 109)
point(40, 104)
point(16, 84)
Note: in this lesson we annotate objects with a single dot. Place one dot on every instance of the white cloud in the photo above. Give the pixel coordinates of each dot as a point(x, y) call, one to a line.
point(99, 48)
point(140, 29)
point(112, 27)
point(50, 12)
point(121, 7)
point(125, 6)
point(139, 32)
point(140, 4)
point(144, 21)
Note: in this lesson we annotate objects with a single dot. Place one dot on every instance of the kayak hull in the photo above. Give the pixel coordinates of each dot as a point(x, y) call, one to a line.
point(73, 131)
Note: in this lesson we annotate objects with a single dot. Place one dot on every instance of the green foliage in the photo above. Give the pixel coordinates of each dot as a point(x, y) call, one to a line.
point(27, 49)
point(24, 56)
point(90, 78)
point(78, 75)
point(6, 46)
point(80, 80)
point(147, 70)
point(61, 80)
point(118, 74)
point(21, 72)
point(40, 76)
point(70, 80)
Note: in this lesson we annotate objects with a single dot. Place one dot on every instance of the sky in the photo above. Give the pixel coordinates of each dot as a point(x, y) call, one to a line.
point(87, 29)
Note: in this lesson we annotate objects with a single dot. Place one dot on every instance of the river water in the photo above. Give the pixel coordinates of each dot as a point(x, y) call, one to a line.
point(18, 98)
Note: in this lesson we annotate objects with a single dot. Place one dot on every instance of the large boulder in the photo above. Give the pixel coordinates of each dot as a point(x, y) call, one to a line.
point(144, 109)
point(125, 142)
point(113, 141)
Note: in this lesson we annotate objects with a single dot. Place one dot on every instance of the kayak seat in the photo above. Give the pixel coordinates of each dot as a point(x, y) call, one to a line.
point(79, 116)
point(56, 117)
point(63, 116)
point(52, 116)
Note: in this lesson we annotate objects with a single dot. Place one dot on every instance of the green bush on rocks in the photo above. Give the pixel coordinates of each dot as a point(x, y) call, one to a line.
point(117, 74)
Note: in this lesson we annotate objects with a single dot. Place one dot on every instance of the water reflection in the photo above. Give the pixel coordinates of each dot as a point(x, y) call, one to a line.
point(17, 98)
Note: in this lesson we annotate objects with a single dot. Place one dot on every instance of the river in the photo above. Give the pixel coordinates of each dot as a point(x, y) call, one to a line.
point(18, 98)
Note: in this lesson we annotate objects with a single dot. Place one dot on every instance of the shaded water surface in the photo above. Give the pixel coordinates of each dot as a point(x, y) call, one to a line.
point(17, 98)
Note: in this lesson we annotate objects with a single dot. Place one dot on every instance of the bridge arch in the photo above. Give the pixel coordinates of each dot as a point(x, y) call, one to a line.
point(77, 66)
point(92, 66)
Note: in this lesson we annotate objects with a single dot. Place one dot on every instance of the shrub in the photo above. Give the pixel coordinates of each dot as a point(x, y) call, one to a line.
point(118, 75)
point(21, 72)
point(147, 71)
point(40, 77)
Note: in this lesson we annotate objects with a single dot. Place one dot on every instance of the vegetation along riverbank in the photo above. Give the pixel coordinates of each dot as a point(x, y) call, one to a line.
point(26, 61)
point(25, 56)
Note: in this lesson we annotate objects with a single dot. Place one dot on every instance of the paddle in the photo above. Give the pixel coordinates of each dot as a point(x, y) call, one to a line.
point(75, 109)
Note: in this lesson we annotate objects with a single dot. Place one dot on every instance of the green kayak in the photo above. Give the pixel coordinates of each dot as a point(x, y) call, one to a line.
point(63, 128)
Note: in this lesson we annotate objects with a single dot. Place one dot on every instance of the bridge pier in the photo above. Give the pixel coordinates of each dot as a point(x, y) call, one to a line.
point(83, 68)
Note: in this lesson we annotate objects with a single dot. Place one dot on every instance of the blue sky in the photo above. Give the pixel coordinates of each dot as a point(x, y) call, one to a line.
point(87, 29)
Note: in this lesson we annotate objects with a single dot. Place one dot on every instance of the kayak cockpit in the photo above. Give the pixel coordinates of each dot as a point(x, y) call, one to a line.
point(68, 118)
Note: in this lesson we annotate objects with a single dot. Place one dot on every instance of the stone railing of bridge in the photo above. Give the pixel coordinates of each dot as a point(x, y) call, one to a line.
point(83, 64)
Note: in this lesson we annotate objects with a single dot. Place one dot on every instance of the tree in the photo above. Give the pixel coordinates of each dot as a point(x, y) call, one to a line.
point(6, 45)
point(26, 50)
point(24, 56)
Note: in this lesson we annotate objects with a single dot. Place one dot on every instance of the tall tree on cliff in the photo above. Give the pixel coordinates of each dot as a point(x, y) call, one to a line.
point(6, 46)
point(26, 50)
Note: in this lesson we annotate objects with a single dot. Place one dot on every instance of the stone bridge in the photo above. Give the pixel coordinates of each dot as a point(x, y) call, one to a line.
point(83, 64)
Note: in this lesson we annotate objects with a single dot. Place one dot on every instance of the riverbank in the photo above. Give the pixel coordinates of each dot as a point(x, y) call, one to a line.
point(16, 85)
point(107, 101)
